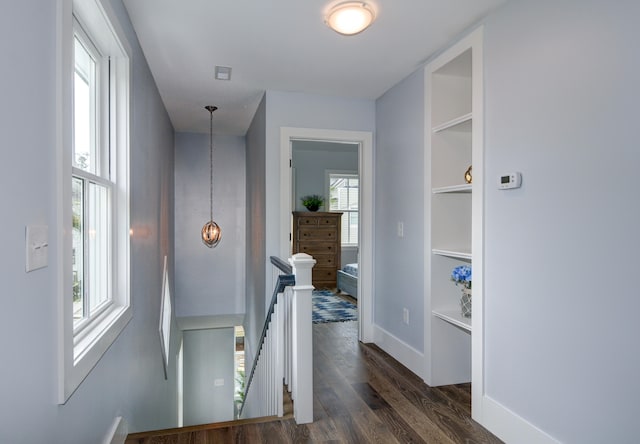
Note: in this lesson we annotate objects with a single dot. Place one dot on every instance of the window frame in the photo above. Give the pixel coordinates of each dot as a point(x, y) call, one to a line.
point(350, 174)
point(79, 350)
point(99, 175)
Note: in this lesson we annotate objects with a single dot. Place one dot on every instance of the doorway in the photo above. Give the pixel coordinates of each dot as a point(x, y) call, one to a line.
point(364, 143)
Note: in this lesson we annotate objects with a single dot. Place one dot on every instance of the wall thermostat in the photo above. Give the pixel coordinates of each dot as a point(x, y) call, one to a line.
point(508, 181)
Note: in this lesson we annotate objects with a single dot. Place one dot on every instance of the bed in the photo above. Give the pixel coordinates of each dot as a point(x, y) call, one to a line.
point(348, 279)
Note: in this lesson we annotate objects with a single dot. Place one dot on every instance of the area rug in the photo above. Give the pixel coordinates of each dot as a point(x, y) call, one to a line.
point(327, 307)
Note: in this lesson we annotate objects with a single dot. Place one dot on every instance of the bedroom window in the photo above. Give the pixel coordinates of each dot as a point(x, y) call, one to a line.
point(94, 83)
point(343, 196)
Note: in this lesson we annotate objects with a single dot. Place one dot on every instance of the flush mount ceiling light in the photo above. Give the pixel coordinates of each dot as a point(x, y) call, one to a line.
point(350, 18)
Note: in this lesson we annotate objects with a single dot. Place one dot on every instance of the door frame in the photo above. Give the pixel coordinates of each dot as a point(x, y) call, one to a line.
point(364, 140)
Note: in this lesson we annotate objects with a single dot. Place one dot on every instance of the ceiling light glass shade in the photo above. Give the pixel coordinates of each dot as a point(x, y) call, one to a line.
point(350, 18)
point(211, 234)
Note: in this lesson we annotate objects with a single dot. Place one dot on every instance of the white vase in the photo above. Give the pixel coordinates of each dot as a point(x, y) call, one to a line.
point(465, 302)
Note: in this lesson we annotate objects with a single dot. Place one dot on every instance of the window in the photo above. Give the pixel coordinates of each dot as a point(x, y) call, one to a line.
point(94, 187)
point(91, 184)
point(343, 196)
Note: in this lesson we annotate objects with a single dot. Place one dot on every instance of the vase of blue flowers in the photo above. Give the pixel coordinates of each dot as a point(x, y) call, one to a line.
point(461, 275)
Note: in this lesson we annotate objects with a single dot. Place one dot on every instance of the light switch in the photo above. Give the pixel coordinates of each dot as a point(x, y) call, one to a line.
point(218, 382)
point(37, 247)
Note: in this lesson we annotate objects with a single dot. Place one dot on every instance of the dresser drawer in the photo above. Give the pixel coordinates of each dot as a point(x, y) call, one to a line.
point(316, 248)
point(322, 234)
point(323, 274)
point(325, 260)
point(308, 221)
point(318, 221)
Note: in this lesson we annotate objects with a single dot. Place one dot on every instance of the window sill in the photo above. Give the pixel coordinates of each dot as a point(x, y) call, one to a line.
point(92, 335)
point(91, 347)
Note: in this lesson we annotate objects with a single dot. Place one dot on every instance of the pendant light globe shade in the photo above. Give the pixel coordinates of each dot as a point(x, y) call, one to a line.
point(211, 234)
point(350, 18)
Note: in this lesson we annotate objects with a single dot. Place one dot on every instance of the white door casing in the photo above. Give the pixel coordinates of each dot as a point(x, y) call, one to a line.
point(364, 140)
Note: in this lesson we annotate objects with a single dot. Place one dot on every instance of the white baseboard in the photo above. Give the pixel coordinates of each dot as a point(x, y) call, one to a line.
point(118, 432)
point(400, 350)
point(510, 427)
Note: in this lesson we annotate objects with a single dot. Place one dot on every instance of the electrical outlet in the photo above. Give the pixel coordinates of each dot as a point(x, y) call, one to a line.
point(405, 316)
point(400, 229)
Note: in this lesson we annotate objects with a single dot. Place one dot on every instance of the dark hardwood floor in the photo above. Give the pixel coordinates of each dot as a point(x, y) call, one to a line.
point(362, 395)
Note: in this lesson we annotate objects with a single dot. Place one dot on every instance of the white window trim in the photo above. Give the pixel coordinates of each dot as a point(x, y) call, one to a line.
point(327, 197)
point(78, 355)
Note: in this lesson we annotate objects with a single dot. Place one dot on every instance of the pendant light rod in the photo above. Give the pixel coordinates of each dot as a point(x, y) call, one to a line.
point(211, 109)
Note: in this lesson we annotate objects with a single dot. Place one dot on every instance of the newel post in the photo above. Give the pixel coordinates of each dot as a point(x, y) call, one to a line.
point(302, 340)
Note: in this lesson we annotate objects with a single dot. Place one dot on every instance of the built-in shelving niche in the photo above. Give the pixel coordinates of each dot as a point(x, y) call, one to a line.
point(450, 152)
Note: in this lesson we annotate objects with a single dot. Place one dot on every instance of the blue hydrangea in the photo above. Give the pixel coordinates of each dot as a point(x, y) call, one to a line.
point(462, 275)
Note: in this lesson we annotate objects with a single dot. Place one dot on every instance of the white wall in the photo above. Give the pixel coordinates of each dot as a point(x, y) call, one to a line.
point(129, 380)
point(209, 377)
point(562, 95)
point(399, 196)
point(209, 282)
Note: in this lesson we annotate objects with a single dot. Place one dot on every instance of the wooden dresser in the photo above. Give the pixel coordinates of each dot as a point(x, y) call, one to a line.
point(318, 235)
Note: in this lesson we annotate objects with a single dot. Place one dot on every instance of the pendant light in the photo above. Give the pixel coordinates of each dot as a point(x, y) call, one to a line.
point(211, 232)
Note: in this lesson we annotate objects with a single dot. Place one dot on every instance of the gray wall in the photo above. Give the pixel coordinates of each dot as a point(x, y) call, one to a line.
point(129, 379)
point(256, 240)
point(282, 109)
point(399, 196)
point(562, 94)
point(208, 358)
point(287, 109)
point(209, 282)
point(312, 159)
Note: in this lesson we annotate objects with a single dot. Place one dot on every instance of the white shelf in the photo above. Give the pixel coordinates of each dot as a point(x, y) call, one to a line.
point(457, 254)
point(462, 123)
point(454, 317)
point(463, 188)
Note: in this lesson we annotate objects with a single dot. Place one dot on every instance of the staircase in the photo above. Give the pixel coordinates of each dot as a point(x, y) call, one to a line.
point(285, 348)
point(279, 386)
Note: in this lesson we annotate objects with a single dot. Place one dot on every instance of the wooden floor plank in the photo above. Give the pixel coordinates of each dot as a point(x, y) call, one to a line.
point(370, 396)
point(398, 426)
point(372, 428)
point(415, 418)
point(455, 421)
point(296, 433)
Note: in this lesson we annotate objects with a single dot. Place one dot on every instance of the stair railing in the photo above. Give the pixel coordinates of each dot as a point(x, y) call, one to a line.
point(285, 349)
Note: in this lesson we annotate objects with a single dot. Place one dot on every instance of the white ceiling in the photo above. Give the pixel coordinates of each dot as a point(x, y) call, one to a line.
point(284, 45)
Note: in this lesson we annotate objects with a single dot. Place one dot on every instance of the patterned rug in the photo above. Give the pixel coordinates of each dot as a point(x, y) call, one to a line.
point(327, 307)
